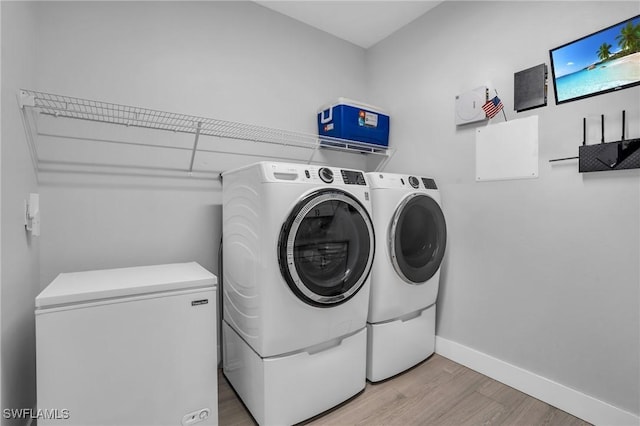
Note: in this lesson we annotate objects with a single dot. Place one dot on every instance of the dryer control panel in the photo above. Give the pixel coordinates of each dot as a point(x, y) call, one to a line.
point(393, 180)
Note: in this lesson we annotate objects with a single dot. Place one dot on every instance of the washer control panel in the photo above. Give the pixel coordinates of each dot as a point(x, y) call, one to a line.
point(314, 174)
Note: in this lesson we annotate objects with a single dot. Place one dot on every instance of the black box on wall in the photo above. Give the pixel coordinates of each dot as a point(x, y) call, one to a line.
point(530, 88)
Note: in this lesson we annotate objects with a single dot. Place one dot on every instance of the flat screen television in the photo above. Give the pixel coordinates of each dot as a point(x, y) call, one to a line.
point(598, 63)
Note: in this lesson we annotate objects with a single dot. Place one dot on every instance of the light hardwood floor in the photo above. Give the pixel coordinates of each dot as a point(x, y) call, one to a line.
point(436, 392)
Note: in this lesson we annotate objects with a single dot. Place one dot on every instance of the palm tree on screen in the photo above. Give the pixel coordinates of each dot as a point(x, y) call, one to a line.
point(604, 51)
point(629, 37)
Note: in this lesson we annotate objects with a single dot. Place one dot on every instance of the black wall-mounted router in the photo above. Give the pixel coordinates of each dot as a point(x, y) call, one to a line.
point(619, 155)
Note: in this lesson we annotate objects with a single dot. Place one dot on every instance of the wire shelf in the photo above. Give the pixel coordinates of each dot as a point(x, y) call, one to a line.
point(105, 112)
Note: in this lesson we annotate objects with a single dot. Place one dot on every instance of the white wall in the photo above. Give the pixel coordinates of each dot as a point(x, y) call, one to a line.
point(20, 253)
point(227, 60)
point(543, 273)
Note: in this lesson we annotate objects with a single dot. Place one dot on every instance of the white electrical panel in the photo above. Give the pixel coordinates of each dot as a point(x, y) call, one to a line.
point(507, 150)
point(469, 105)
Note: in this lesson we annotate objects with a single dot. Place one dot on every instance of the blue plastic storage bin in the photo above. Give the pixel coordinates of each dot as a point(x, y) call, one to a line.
point(355, 121)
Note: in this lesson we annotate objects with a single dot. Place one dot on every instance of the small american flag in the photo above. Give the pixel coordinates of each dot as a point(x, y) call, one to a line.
point(492, 107)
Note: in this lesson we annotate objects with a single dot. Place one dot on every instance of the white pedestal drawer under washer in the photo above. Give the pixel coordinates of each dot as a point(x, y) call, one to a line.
point(298, 247)
point(411, 239)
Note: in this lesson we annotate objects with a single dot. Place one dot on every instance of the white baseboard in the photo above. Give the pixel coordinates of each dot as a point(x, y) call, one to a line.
point(570, 400)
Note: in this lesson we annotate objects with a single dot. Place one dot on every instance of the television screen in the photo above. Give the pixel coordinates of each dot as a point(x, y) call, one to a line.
point(601, 62)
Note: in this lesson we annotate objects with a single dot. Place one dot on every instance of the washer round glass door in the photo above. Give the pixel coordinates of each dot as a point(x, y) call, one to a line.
point(417, 238)
point(326, 247)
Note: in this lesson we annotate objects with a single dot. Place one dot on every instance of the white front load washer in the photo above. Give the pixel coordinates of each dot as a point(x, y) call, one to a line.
point(412, 236)
point(298, 244)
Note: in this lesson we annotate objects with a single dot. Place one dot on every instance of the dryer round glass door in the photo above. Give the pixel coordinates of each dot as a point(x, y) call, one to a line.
point(325, 249)
point(417, 238)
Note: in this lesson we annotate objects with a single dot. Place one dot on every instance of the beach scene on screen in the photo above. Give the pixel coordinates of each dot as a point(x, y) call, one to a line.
point(600, 62)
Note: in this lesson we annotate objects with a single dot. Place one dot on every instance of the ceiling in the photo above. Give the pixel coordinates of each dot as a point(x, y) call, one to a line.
point(361, 22)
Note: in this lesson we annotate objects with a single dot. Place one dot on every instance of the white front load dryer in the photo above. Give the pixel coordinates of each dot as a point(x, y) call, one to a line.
point(411, 239)
point(298, 247)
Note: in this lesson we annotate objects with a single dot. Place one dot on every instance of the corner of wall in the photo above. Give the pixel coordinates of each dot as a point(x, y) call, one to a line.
point(19, 254)
point(1, 381)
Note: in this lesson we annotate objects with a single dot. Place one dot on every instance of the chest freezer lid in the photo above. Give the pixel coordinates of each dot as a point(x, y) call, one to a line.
point(80, 287)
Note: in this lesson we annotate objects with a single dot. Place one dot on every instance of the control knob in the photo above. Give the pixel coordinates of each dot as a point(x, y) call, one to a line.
point(326, 175)
point(413, 181)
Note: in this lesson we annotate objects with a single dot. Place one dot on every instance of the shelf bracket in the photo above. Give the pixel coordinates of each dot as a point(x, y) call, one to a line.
point(385, 160)
point(563, 159)
point(26, 100)
point(313, 152)
point(195, 146)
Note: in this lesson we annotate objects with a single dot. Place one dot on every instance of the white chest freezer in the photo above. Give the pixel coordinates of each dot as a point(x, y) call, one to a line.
point(131, 346)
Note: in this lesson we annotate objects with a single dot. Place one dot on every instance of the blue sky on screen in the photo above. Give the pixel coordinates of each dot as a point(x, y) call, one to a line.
point(580, 54)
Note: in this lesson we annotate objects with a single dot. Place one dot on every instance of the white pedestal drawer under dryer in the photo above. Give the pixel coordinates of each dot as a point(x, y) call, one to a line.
point(411, 237)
